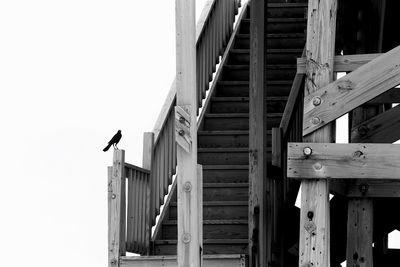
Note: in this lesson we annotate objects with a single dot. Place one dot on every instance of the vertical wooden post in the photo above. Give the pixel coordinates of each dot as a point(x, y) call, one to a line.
point(189, 224)
point(148, 146)
point(314, 216)
point(117, 209)
point(200, 202)
point(259, 250)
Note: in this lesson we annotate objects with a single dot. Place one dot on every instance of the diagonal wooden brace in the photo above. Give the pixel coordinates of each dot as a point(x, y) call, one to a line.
point(182, 127)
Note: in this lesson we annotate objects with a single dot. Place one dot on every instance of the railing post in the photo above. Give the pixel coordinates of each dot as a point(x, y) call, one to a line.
point(116, 209)
point(148, 147)
point(189, 224)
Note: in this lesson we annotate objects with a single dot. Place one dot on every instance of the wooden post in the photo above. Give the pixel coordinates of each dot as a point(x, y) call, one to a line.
point(189, 224)
point(259, 249)
point(116, 209)
point(314, 217)
point(148, 147)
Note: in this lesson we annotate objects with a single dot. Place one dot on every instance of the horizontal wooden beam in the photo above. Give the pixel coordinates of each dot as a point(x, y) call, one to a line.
point(344, 63)
point(343, 161)
point(356, 88)
point(221, 260)
point(373, 188)
point(383, 128)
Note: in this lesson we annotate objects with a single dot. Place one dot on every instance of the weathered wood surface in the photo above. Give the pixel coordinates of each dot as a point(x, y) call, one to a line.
point(345, 63)
point(352, 90)
point(314, 243)
point(360, 233)
point(390, 96)
point(148, 149)
point(189, 222)
point(373, 189)
point(383, 128)
point(259, 248)
point(116, 201)
point(231, 260)
point(344, 161)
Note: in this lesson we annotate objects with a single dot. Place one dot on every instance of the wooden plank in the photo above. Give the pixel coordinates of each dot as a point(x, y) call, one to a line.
point(351, 91)
point(345, 63)
point(189, 223)
point(220, 260)
point(116, 200)
point(344, 161)
point(373, 189)
point(200, 209)
point(277, 147)
point(148, 150)
point(314, 244)
point(390, 96)
point(259, 250)
point(383, 128)
point(359, 233)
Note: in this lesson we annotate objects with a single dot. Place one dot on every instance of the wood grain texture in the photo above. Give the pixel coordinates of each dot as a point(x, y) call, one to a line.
point(345, 63)
point(148, 150)
point(189, 223)
point(344, 161)
point(314, 243)
point(373, 189)
point(382, 128)
point(259, 247)
point(352, 90)
point(116, 200)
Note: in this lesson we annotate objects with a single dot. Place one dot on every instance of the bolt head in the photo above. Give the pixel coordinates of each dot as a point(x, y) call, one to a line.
point(182, 119)
point(316, 120)
point(113, 196)
point(181, 132)
point(187, 187)
point(186, 238)
point(307, 151)
point(317, 166)
point(316, 101)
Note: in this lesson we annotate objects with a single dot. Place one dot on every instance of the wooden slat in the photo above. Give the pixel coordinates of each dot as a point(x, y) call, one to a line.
point(352, 90)
point(314, 243)
point(383, 128)
point(116, 199)
point(373, 189)
point(189, 236)
point(276, 147)
point(344, 161)
point(259, 247)
point(345, 63)
point(148, 154)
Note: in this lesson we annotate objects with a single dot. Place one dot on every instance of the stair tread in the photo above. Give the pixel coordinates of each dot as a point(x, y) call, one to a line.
point(205, 241)
point(286, 35)
point(226, 167)
point(284, 50)
point(238, 115)
point(211, 222)
point(233, 82)
point(228, 132)
point(222, 149)
point(240, 50)
point(219, 203)
point(244, 98)
point(237, 67)
point(281, 66)
point(283, 20)
point(213, 185)
point(279, 82)
point(287, 5)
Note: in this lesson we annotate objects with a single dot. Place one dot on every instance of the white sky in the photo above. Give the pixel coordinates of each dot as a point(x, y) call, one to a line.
point(71, 74)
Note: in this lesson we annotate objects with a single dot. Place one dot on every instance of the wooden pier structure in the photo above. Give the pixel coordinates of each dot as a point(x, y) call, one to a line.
point(249, 122)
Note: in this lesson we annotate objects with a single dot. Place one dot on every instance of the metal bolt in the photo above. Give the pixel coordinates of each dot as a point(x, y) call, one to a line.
point(113, 196)
point(316, 101)
point(316, 120)
point(363, 188)
point(113, 261)
point(186, 238)
point(310, 215)
point(307, 151)
point(182, 120)
point(181, 132)
point(187, 187)
point(317, 166)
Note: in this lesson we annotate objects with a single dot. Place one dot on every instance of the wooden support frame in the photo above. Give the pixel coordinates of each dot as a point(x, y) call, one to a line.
point(345, 63)
point(383, 128)
point(259, 222)
point(343, 161)
point(116, 209)
point(356, 88)
point(189, 221)
point(314, 242)
point(147, 158)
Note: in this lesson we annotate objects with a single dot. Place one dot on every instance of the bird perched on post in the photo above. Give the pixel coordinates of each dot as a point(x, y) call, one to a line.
point(114, 141)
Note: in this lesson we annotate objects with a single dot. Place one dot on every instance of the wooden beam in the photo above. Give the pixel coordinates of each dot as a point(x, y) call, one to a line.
point(356, 88)
point(148, 148)
point(390, 96)
point(343, 161)
point(189, 223)
point(383, 128)
point(116, 209)
point(345, 63)
point(373, 189)
point(359, 233)
point(314, 243)
point(259, 249)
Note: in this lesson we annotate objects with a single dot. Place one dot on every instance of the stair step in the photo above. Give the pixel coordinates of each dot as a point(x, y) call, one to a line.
point(286, 25)
point(279, 87)
point(226, 138)
point(223, 156)
point(239, 56)
point(212, 229)
point(275, 104)
point(225, 173)
point(242, 41)
point(287, 10)
point(236, 72)
point(210, 246)
point(283, 55)
point(218, 210)
point(236, 121)
point(233, 88)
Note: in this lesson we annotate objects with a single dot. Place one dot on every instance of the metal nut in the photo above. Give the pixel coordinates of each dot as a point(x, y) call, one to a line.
point(182, 120)
point(316, 120)
point(316, 101)
point(307, 151)
point(186, 238)
point(187, 187)
point(181, 132)
point(113, 196)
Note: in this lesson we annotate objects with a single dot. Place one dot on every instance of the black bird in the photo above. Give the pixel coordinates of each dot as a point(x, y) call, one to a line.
point(114, 141)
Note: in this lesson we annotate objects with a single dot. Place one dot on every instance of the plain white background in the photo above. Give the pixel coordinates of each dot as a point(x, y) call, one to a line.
point(71, 74)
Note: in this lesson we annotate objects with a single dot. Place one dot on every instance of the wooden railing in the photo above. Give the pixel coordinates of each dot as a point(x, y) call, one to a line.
point(148, 186)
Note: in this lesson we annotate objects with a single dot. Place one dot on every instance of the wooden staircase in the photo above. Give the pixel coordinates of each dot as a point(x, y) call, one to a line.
point(223, 133)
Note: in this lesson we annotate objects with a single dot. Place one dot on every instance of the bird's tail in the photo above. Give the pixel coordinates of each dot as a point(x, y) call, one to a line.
point(107, 147)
